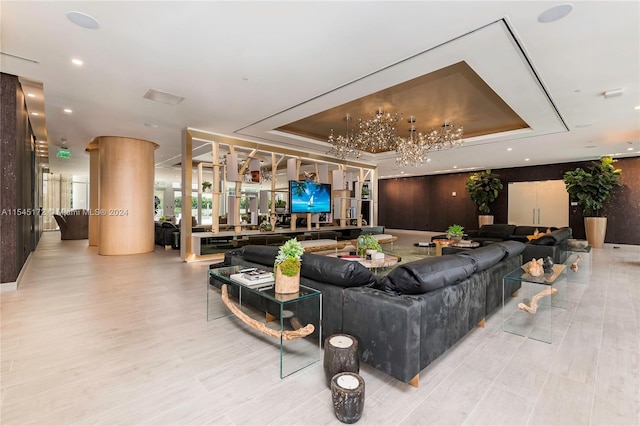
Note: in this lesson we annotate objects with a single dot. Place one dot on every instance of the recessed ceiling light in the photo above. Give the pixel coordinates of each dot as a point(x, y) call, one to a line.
point(630, 149)
point(163, 97)
point(34, 113)
point(402, 172)
point(526, 159)
point(555, 13)
point(31, 95)
point(638, 107)
point(68, 111)
point(428, 160)
point(509, 149)
point(455, 167)
point(83, 20)
point(77, 62)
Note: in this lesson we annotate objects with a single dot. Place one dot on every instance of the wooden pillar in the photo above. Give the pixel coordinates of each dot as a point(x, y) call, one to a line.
point(94, 193)
point(125, 185)
point(186, 252)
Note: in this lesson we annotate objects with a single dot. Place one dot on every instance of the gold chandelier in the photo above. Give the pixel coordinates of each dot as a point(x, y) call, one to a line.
point(346, 146)
point(378, 133)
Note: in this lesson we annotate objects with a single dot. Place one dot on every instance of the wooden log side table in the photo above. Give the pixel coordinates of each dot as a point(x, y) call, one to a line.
point(340, 355)
point(347, 394)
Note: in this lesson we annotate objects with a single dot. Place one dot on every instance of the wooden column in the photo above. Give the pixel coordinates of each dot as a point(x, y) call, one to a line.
point(126, 177)
point(94, 193)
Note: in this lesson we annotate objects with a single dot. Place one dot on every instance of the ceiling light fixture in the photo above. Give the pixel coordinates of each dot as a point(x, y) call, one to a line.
point(412, 151)
point(77, 62)
point(68, 111)
point(378, 133)
point(555, 13)
point(83, 20)
point(344, 146)
point(448, 136)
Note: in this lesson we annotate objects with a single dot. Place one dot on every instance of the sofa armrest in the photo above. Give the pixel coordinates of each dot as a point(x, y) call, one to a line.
point(387, 328)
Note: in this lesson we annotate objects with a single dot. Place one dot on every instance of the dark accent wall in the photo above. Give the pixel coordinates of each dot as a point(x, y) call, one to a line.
point(20, 192)
point(426, 203)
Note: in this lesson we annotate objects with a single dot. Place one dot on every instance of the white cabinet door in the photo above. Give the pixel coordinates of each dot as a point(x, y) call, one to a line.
point(522, 203)
point(543, 203)
point(553, 204)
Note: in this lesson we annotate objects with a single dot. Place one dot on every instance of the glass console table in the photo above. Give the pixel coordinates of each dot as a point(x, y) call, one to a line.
point(528, 311)
point(291, 311)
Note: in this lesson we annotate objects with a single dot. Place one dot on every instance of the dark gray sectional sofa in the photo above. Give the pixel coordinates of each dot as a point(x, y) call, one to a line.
point(415, 313)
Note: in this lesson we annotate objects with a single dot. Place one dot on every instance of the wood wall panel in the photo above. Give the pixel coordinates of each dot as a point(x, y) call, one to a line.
point(435, 208)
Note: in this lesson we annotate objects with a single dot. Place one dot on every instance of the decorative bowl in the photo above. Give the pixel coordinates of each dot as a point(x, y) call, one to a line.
point(577, 244)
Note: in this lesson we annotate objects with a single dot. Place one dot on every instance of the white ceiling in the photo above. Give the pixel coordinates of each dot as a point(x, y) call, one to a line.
point(246, 68)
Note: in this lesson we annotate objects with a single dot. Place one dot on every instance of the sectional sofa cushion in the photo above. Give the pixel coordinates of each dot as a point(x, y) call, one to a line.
point(553, 238)
point(501, 231)
point(486, 256)
point(264, 255)
point(511, 248)
point(336, 271)
point(429, 274)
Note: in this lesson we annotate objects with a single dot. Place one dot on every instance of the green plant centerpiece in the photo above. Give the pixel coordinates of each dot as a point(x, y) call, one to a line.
point(281, 205)
point(592, 189)
point(367, 242)
point(455, 232)
point(483, 189)
point(287, 266)
point(265, 226)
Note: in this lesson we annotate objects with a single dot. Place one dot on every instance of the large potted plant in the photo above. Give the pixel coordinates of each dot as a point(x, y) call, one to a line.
point(483, 188)
point(287, 265)
point(592, 189)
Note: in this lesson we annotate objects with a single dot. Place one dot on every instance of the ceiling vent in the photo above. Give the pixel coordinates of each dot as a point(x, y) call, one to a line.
point(163, 97)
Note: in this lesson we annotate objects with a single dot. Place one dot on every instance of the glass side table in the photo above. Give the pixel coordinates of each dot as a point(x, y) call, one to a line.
point(581, 258)
point(528, 311)
point(291, 311)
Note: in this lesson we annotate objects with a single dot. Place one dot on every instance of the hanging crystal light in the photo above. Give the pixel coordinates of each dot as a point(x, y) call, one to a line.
point(378, 133)
point(449, 136)
point(411, 151)
point(346, 146)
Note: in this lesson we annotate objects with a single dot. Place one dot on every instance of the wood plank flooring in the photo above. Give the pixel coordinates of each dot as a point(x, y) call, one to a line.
point(124, 340)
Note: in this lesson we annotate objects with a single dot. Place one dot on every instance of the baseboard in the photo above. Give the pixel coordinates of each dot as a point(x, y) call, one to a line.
point(13, 285)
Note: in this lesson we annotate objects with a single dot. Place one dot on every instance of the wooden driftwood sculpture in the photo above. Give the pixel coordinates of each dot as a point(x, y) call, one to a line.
point(534, 300)
point(574, 265)
point(535, 268)
point(262, 327)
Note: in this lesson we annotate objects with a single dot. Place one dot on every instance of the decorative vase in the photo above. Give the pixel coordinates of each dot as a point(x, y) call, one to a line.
point(596, 229)
point(547, 265)
point(485, 219)
point(347, 394)
point(340, 355)
point(285, 284)
point(280, 210)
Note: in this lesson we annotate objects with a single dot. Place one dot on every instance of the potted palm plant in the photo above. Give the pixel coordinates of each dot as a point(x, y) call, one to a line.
point(592, 189)
point(287, 265)
point(483, 188)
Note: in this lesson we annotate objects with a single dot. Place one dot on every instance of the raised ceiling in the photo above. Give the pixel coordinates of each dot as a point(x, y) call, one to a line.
point(246, 69)
point(454, 94)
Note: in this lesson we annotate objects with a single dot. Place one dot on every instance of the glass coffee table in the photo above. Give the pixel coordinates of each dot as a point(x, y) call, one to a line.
point(529, 311)
point(298, 315)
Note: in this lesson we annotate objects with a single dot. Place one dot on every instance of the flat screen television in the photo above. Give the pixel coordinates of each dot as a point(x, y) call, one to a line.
point(309, 197)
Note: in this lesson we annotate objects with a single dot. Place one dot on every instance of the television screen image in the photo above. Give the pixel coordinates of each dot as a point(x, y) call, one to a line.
point(309, 197)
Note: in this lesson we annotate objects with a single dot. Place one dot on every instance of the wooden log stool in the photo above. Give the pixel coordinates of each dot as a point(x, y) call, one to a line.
point(347, 393)
point(340, 355)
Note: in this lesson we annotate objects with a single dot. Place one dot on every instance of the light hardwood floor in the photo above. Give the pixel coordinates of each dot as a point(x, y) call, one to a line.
point(91, 339)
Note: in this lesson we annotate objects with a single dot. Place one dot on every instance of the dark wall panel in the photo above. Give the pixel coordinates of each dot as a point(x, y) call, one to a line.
point(441, 209)
point(18, 195)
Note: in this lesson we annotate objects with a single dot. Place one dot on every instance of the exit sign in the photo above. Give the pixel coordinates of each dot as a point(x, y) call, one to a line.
point(63, 153)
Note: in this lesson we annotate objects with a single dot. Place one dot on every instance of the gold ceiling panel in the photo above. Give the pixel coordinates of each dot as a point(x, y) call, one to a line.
point(453, 94)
